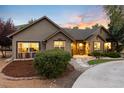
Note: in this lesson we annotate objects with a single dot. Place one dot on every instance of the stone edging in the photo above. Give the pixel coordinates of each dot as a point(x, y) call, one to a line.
point(18, 78)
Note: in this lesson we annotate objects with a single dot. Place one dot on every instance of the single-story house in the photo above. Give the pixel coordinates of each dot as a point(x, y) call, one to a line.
point(44, 34)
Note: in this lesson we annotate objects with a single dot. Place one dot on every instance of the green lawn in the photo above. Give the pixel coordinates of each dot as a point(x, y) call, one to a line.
point(98, 61)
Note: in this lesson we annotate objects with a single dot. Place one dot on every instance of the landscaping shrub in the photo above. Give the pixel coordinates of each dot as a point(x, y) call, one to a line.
point(51, 63)
point(96, 54)
point(112, 54)
point(90, 54)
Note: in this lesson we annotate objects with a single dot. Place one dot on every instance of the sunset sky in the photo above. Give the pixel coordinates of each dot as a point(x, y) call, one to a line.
point(66, 16)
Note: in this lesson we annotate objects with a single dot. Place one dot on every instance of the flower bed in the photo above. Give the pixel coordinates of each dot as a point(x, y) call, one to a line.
point(26, 69)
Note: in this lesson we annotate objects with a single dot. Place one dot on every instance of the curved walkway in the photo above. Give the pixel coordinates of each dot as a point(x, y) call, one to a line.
point(80, 62)
point(106, 75)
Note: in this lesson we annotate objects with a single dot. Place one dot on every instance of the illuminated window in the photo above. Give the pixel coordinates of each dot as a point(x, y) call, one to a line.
point(107, 45)
point(96, 45)
point(27, 49)
point(59, 44)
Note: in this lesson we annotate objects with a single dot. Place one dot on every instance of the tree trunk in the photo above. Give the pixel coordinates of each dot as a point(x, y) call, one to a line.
point(5, 51)
point(117, 46)
point(2, 52)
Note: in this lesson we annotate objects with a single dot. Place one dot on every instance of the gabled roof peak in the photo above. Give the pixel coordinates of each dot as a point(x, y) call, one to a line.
point(38, 20)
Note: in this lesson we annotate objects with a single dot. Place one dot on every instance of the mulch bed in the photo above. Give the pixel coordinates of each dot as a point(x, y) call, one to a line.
point(20, 69)
point(26, 69)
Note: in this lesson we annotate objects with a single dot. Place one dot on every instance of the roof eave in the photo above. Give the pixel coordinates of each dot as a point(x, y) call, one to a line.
point(49, 37)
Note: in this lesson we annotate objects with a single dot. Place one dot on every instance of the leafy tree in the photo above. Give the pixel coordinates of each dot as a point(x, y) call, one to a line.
point(87, 28)
point(75, 27)
point(95, 26)
point(5, 42)
point(116, 25)
point(6, 28)
point(1, 26)
point(31, 21)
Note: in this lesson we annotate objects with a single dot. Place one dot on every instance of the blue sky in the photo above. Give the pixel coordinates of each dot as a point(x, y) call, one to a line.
point(66, 16)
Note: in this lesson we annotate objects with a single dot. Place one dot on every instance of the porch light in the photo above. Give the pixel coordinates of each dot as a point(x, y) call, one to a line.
point(71, 44)
point(80, 44)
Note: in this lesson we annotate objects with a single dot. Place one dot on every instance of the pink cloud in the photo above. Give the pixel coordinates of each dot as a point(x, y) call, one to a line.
point(77, 20)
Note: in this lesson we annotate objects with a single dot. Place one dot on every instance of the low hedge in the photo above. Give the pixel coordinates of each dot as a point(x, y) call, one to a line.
point(98, 54)
point(111, 54)
point(51, 63)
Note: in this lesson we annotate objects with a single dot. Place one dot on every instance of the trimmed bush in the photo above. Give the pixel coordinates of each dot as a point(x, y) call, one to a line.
point(97, 54)
point(51, 63)
point(112, 54)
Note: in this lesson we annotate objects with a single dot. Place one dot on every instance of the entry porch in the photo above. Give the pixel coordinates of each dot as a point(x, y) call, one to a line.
point(80, 48)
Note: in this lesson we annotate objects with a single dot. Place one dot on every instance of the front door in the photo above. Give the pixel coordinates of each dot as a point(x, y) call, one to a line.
point(80, 48)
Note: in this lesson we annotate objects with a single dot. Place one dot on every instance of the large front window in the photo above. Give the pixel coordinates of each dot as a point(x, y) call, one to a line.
point(59, 44)
point(96, 45)
point(27, 49)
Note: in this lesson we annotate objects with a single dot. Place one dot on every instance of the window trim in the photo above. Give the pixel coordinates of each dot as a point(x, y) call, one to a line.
point(60, 40)
point(25, 42)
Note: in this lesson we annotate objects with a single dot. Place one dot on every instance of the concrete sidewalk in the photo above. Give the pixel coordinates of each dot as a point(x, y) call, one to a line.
point(106, 75)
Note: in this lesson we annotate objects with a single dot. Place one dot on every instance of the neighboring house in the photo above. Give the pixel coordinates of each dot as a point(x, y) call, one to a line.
point(44, 34)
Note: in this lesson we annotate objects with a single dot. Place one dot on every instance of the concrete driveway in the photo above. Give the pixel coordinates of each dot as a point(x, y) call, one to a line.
point(106, 75)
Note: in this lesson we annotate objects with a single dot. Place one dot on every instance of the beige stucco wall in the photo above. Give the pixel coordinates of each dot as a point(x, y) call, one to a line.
point(59, 36)
point(37, 32)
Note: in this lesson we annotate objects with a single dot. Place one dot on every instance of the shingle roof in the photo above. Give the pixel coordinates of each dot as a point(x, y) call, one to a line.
point(62, 31)
point(80, 34)
point(74, 34)
point(77, 34)
point(29, 25)
point(20, 26)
